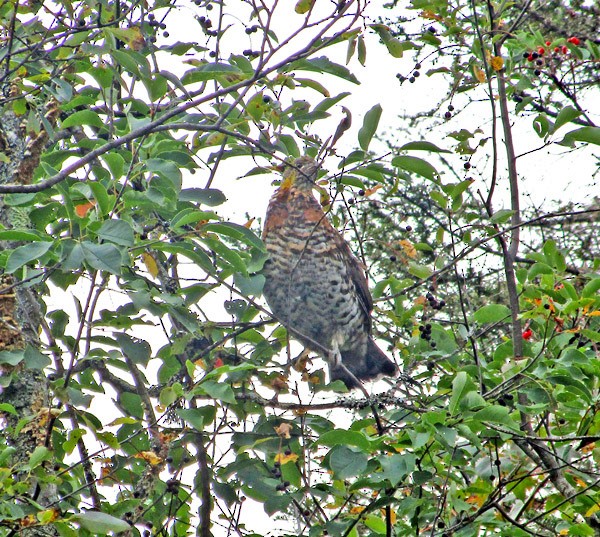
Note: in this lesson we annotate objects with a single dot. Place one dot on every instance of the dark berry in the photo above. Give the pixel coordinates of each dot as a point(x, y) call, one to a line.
point(429, 297)
point(546, 306)
point(451, 108)
point(430, 366)
point(351, 201)
point(525, 54)
point(467, 165)
point(393, 258)
point(441, 524)
point(448, 114)
point(163, 26)
point(286, 484)
point(539, 62)
point(431, 29)
point(417, 66)
point(442, 303)
point(535, 55)
point(497, 462)
point(428, 327)
point(433, 345)
point(288, 452)
point(432, 288)
point(361, 192)
point(416, 74)
point(212, 54)
point(421, 328)
point(306, 512)
point(248, 31)
point(537, 72)
point(266, 99)
point(209, 7)
point(408, 228)
point(518, 99)
point(411, 79)
point(166, 34)
point(277, 464)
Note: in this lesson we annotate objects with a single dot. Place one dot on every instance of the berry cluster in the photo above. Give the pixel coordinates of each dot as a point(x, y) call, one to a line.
point(155, 25)
point(425, 330)
point(276, 472)
point(448, 113)
point(434, 303)
point(252, 29)
point(541, 55)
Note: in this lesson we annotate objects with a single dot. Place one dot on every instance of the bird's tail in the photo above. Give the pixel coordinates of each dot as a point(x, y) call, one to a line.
point(367, 366)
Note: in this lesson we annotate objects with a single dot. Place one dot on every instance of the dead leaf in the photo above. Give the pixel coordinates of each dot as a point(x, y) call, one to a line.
point(283, 430)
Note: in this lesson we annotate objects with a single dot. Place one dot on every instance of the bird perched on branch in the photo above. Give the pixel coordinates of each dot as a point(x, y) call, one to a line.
point(314, 285)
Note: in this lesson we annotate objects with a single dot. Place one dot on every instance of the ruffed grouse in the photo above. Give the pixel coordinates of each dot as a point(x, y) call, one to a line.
point(314, 285)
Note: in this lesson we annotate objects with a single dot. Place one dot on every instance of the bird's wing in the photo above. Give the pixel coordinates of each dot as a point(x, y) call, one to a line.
point(356, 270)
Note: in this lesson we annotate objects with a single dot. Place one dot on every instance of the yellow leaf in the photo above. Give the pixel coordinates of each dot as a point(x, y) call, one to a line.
point(150, 263)
point(149, 456)
point(283, 430)
point(594, 313)
point(408, 248)
point(392, 515)
point(479, 73)
point(593, 509)
point(282, 458)
point(497, 63)
point(357, 509)
point(304, 6)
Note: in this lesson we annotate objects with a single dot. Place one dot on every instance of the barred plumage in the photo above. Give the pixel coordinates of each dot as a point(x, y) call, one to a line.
point(314, 285)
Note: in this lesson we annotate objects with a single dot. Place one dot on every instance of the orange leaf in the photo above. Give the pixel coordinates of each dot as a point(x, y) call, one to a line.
point(82, 209)
point(497, 63)
point(479, 73)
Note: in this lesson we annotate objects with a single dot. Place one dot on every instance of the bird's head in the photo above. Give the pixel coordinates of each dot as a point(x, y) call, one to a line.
point(302, 173)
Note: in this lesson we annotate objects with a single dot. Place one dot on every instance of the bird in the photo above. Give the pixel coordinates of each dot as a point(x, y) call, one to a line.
point(314, 285)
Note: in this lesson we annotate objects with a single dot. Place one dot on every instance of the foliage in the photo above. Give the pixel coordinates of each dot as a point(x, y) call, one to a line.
point(159, 412)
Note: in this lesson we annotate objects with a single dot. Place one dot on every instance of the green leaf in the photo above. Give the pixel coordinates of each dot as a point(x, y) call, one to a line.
point(415, 165)
point(496, 414)
point(34, 359)
point(211, 71)
point(236, 231)
point(207, 196)
point(591, 135)
point(591, 288)
point(323, 64)
point(567, 114)
point(219, 391)
point(12, 357)
point(25, 254)
point(423, 146)
point(347, 438)
point(83, 117)
point(99, 523)
point(492, 313)
point(137, 350)
point(117, 231)
point(346, 462)
point(461, 385)
point(369, 126)
point(115, 163)
point(103, 257)
point(198, 418)
point(39, 455)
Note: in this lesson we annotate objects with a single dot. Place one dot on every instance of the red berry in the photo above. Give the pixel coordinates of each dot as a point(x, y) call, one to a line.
point(574, 40)
point(530, 58)
point(548, 43)
point(541, 50)
point(556, 49)
point(565, 49)
point(527, 334)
